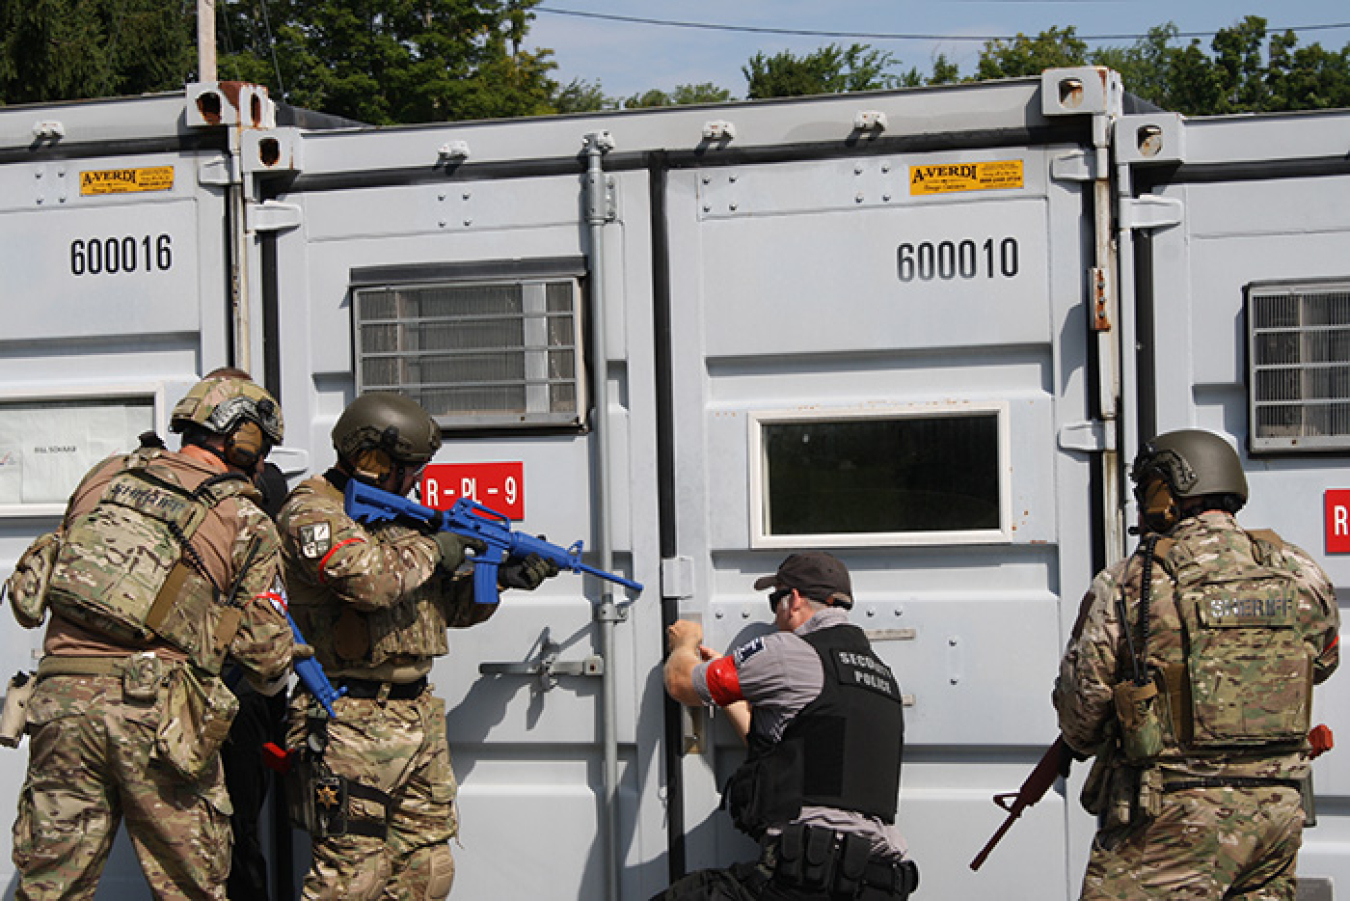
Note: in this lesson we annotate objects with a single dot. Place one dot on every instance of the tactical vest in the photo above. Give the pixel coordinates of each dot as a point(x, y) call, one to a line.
point(1240, 679)
point(843, 750)
point(348, 639)
point(127, 567)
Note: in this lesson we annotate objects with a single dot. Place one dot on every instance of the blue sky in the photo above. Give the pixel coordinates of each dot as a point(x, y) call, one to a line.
point(627, 57)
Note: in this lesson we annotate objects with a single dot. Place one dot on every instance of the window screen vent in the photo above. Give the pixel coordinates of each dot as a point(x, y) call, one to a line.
point(1299, 365)
point(475, 354)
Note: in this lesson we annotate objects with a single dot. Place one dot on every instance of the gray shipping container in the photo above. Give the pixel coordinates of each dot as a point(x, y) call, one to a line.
point(924, 329)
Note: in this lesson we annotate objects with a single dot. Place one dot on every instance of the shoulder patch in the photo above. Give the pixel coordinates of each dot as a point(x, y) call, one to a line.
point(315, 540)
point(748, 650)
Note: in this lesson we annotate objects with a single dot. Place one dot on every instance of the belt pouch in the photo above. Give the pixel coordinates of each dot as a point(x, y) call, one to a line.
point(195, 721)
point(853, 857)
point(792, 853)
point(819, 857)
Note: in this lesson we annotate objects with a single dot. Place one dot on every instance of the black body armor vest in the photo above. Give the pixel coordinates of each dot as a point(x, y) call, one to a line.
point(843, 750)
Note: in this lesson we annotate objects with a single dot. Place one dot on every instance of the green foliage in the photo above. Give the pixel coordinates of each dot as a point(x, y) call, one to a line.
point(582, 97)
point(70, 49)
point(683, 95)
point(1248, 71)
point(830, 70)
point(386, 61)
point(1022, 55)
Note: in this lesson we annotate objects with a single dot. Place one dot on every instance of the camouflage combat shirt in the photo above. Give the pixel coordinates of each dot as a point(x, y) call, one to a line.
point(1097, 658)
point(372, 602)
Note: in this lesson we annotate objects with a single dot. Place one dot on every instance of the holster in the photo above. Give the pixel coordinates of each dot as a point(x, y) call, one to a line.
point(319, 800)
point(14, 719)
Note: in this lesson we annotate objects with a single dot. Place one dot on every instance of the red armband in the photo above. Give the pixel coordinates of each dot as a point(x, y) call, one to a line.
point(724, 683)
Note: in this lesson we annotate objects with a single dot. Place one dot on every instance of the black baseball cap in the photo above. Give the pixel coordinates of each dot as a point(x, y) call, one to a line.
point(815, 574)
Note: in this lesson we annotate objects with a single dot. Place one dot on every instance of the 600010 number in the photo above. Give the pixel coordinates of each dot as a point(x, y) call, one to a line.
point(966, 258)
point(130, 253)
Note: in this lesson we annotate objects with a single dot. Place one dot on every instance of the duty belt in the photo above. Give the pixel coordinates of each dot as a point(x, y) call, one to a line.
point(394, 691)
point(1176, 785)
point(822, 859)
point(80, 666)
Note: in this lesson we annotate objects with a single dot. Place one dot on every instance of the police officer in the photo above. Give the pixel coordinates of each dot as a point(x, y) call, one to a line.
point(164, 570)
point(1189, 676)
point(375, 786)
point(823, 720)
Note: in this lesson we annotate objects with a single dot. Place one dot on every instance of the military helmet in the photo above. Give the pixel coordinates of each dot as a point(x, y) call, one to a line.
point(389, 425)
point(1193, 463)
point(222, 404)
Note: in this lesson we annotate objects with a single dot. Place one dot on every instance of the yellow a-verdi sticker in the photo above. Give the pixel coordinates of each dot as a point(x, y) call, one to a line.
point(945, 178)
point(126, 181)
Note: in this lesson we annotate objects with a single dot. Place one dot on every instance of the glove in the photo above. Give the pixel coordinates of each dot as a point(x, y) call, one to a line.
point(452, 548)
point(302, 652)
point(526, 573)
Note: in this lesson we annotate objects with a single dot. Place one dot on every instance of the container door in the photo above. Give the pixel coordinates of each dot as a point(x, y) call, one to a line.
point(473, 291)
point(886, 356)
point(115, 290)
point(1243, 266)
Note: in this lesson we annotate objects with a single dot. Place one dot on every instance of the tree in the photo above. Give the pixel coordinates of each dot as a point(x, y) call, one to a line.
point(1023, 56)
point(384, 61)
point(582, 97)
point(1242, 75)
point(683, 95)
point(70, 49)
point(829, 70)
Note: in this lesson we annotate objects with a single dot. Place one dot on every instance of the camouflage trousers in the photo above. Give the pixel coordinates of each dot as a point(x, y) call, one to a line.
point(399, 748)
point(90, 765)
point(1205, 845)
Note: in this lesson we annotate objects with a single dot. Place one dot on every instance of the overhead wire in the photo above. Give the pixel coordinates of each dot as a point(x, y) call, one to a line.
point(884, 36)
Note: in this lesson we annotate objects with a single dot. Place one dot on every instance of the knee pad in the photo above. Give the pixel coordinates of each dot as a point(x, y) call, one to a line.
point(433, 871)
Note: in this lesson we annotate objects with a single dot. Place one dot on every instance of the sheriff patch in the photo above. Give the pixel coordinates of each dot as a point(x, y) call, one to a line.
point(315, 540)
point(747, 650)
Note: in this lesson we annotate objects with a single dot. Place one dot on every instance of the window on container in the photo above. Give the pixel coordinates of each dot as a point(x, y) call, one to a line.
point(1298, 365)
point(476, 353)
point(48, 444)
point(883, 479)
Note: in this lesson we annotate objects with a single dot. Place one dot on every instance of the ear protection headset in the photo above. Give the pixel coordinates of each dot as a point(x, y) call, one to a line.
point(374, 460)
point(246, 445)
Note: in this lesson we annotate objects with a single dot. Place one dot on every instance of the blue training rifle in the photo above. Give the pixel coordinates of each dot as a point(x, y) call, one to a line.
point(313, 677)
point(368, 504)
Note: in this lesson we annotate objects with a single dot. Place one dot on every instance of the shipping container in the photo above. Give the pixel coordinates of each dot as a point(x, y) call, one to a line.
point(923, 329)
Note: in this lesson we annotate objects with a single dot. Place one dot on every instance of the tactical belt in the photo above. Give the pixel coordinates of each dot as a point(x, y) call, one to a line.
point(1230, 782)
point(817, 858)
point(80, 666)
point(394, 691)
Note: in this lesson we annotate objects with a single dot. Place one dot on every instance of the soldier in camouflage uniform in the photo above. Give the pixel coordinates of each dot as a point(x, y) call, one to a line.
point(1189, 677)
point(375, 786)
point(130, 708)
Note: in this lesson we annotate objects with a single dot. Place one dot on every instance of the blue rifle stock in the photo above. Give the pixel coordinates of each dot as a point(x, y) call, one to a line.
point(313, 677)
point(367, 504)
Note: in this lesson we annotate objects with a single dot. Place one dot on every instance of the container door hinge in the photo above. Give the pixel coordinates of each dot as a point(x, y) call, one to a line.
point(1094, 436)
point(1150, 211)
point(274, 216)
point(1074, 166)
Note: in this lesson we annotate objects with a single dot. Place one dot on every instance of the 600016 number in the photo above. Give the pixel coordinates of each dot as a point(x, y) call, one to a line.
point(966, 258)
point(130, 253)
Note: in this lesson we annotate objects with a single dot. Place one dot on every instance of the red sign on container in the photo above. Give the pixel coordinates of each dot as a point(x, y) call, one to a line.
point(1338, 521)
point(500, 486)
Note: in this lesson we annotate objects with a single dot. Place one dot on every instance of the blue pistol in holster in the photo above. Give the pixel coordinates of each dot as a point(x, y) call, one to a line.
point(368, 504)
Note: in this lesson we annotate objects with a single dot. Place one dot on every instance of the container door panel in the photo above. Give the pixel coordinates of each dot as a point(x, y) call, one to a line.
point(883, 372)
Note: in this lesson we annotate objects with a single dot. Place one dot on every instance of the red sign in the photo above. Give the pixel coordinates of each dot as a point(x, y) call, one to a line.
point(1338, 521)
point(500, 486)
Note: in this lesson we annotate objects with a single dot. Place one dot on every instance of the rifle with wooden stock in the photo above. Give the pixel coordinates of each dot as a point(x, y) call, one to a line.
point(1055, 764)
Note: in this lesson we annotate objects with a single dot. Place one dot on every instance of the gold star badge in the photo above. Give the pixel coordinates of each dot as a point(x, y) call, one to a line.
point(326, 796)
